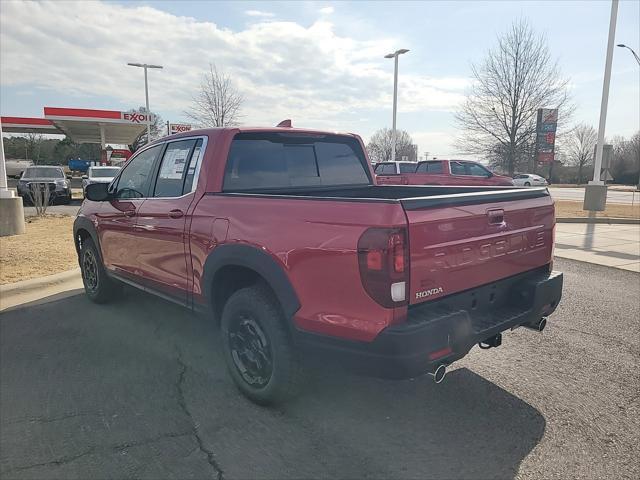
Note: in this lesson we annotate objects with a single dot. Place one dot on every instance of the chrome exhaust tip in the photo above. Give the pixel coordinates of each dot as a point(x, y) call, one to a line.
point(439, 374)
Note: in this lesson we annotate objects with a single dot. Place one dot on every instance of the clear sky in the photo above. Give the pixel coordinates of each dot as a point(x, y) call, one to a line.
point(319, 63)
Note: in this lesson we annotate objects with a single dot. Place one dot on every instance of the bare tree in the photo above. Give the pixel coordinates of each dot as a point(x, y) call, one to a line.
point(218, 102)
point(40, 196)
point(498, 118)
point(379, 147)
point(580, 146)
point(625, 165)
point(33, 145)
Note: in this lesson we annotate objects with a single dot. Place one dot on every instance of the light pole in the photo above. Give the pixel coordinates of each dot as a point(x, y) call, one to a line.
point(395, 56)
point(635, 55)
point(595, 198)
point(146, 93)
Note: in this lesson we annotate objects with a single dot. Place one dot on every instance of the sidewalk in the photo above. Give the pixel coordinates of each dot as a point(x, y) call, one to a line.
point(610, 245)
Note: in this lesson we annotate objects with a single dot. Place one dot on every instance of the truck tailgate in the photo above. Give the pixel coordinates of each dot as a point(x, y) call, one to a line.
point(458, 242)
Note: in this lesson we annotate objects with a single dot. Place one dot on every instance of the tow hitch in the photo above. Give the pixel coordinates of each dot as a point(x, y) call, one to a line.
point(491, 342)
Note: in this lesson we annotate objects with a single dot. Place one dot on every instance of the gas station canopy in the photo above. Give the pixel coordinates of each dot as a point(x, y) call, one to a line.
point(83, 125)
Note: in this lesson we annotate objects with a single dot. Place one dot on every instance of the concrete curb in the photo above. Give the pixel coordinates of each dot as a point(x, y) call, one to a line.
point(603, 220)
point(40, 283)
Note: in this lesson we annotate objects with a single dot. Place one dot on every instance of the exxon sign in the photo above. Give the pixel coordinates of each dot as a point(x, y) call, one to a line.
point(137, 117)
point(178, 128)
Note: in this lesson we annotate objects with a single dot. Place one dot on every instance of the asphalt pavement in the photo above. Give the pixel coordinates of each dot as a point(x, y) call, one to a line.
point(138, 389)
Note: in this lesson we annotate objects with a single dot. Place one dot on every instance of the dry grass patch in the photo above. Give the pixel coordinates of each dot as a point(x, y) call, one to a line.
point(566, 208)
point(46, 248)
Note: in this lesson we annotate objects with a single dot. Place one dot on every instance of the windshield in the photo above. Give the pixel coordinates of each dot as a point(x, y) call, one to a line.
point(103, 172)
point(43, 172)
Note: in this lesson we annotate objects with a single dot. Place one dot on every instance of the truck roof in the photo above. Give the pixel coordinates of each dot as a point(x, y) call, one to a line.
point(222, 131)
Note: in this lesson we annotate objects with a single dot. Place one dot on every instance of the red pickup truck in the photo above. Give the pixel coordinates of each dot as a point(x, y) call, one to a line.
point(444, 172)
point(282, 236)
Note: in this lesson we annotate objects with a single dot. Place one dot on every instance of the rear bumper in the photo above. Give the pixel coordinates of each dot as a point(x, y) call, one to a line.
point(444, 331)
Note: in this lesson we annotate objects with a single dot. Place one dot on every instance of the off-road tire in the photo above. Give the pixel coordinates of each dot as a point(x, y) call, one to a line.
point(98, 286)
point(255, 310)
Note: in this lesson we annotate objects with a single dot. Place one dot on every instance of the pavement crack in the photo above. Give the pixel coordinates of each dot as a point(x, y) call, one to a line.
point(99, 449)
point(57, 462)
point(185, 409)
point(42, 419)
point(148, 441)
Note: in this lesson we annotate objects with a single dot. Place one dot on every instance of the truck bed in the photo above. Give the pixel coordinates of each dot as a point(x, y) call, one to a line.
point(412, 197)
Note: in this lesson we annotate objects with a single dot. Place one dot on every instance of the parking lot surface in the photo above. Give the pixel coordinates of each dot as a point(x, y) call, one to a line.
point(138, 389)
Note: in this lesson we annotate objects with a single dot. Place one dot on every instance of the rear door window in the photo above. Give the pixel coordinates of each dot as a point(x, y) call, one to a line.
point(407, 167)
point(271, 160)
point(477, 170)
point(457, 168)
point(386, 169)
point(430, 167)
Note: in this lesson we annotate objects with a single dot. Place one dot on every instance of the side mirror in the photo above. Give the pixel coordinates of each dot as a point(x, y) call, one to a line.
point(97, 192)
point(84, 177)
point(489, 174)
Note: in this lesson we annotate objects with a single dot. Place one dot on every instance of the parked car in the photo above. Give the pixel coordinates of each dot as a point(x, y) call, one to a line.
point(529, 180)
point(16, 167)
point(392, 168)
point(99, 175)
point(447, 172)
point(54, 177)
point(283, 237)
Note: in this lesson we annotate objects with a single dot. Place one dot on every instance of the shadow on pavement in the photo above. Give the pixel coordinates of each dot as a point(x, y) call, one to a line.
point(138, 388)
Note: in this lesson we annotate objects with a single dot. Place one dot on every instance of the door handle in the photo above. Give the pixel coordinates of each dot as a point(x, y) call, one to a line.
point(176, 213)
point(130, 213)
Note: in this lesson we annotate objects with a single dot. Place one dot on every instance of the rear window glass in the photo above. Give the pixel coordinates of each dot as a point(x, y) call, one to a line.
point(271, 160)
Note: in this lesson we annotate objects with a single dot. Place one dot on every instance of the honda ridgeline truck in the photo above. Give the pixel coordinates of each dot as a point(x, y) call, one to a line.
point(283, 236)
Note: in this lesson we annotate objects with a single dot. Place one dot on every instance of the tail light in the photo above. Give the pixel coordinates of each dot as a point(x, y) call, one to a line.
point(383, 258)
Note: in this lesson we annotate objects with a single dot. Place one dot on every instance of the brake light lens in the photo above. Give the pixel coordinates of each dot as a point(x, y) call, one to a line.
point(384, 264)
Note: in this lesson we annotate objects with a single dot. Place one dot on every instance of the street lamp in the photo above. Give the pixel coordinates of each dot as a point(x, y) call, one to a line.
point(395, 56)
point(146, 93)
point(635, 55)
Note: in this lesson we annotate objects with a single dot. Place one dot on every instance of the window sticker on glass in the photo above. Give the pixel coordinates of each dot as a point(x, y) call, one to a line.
point(173, 163)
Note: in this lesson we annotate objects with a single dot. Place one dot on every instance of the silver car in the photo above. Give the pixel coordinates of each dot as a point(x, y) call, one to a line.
point(99, 175)
point(529, 180)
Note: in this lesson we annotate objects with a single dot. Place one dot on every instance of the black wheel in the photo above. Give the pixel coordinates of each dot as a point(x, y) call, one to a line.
point(97, 285)
point(257, 347)
point(527, 184)
point(66, 200)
